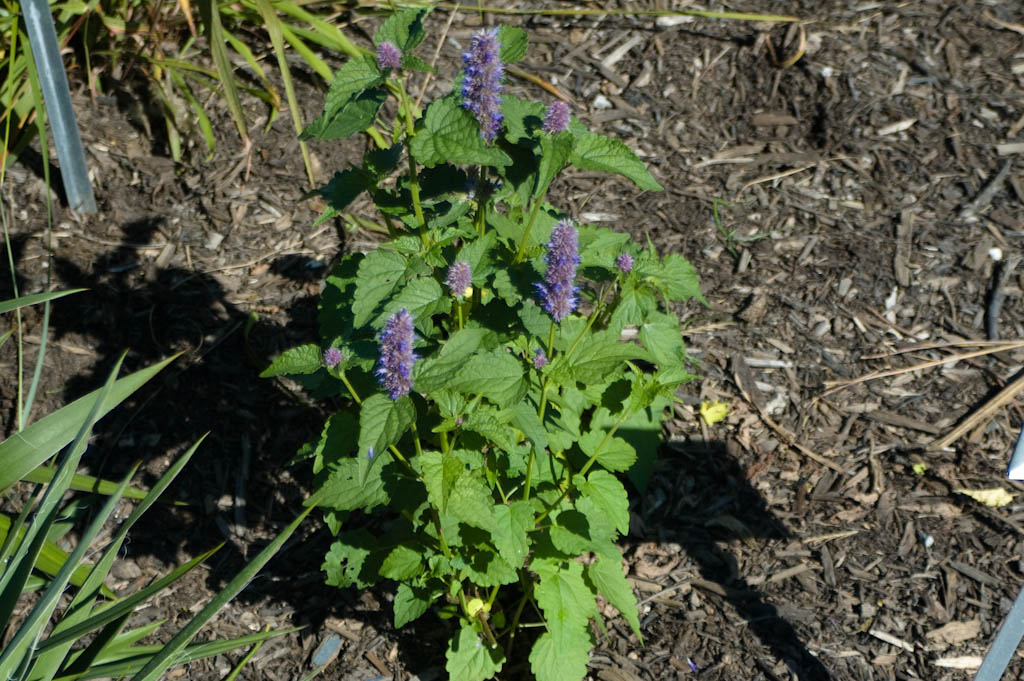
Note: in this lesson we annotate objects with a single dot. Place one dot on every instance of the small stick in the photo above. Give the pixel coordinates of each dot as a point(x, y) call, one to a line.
point(1001, 398)
point(995, 305)
point(835, 386)
point(982, 200)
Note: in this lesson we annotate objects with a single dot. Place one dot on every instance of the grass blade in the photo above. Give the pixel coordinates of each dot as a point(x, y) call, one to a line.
point(218, 49)
point(25, 301)
point(169, 654)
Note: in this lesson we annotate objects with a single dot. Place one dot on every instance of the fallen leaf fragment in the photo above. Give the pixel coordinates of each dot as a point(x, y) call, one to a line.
point(713, 412)
point(964, 662)
point(995, 497)
point(956, 632)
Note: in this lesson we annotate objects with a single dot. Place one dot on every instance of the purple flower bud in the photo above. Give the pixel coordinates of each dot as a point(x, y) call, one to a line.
point(539, 359)
point(332, 357)
point(481, 85)
point(388, 56)
point(396, 356)
point(459, 279)
point(624, 262)
point(558, 292)
point(369, 454)
point(557, 117)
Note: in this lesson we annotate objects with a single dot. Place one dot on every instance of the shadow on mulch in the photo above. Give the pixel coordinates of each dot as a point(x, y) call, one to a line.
point(707, 501)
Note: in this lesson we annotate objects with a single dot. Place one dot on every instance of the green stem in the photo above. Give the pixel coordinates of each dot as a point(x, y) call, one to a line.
point(348, 386)
point(414, 183)
point(529, 227)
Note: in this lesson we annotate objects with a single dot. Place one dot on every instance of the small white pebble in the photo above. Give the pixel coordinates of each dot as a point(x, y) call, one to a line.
point(995, 253)
point(601, 102)
point(827, 71)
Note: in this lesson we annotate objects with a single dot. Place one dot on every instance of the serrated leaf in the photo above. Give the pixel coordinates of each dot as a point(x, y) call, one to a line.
point(663, 339)
point(599, 356)
point(403, 29)
point(496, 375)
point(344, 491)
point(470, 659)
point(432, 374)
point(345, 562)
point(352, 101)
point(526, 419)
point(510, 534)
point(522, 117)
point(450, 134)
point(411, 602)
point(616, 455)
point(341, 190)
point(485, 568)
point(607, 576)
point(570, 532)
point(440, 474)
point(562, 594)
point(555, 152)
point(402, 563)
point(514, 42)
point(471, 503)
point(609, 497)
point(382, 422)
point(422, 297)
point(607, 155)
point(381, 272)
point(410, 62)
point(304, 359)
point(680, 278)
point(560, 657)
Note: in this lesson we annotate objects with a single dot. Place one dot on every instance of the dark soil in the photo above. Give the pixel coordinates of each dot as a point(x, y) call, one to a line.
point(838, 214)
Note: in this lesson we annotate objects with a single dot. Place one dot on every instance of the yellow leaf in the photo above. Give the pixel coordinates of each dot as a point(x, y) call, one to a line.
point(713, 412)
point(994, 497)
point(919, 468)
point(474, 606)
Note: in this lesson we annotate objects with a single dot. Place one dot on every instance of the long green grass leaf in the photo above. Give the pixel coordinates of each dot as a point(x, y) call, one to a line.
point(218, 49)
point(83, 483)
point(24, 451)
point(168, 656)
point(25, 301)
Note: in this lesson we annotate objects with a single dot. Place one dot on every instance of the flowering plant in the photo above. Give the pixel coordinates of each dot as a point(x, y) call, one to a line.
point(500, 366)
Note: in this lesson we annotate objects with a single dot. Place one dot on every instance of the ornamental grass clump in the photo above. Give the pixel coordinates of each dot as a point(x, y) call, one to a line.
point(491, 414)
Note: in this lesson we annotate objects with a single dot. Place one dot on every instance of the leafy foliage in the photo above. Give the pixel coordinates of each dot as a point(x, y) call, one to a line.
point(506, 462)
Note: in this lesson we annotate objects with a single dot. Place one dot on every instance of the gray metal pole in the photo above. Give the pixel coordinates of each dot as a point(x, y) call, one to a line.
point(57, 96)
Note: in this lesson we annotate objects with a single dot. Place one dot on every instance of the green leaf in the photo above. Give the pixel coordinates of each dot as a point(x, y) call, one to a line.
point(35, 299)
point(607, 155)
point(483, 567)
point(402, 563)
point(634, 304)
point(471, 503)
point(352, 101)
point(410, 62)
point(562, 594)
point(680, 278)
point(344, 491)
point(514, 42)
point(555, 152)
point(341, 190)
point(403, 29)
point(607, 576)
point(411, 602)
point(510, 534)
point(469, 658)
point(381, 272)
point(664, 339)
point(440, 473)
point(522, 118)
point(496, 375)
point(450, 134)
point(560, 657)
point(47, 436)
point(432, 374)
point(345, 562)
point(570, 532)
point(616, 455)
point(382, 422)
point(422, 297)
point(609, 497)
point(525, 418)
point(304, 359)
point(599, 356)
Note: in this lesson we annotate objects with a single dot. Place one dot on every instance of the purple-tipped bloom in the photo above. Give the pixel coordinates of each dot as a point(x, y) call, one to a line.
point(396, 357)
point(558, 292)
point(459, 278)
point(388, 56)
point(539, 359)
point(481, 86)
point(557, 117)
point(332, 357)
point(624, 262)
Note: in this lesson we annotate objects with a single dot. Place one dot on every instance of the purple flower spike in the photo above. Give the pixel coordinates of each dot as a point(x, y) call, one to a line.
point(388, 56)
point(481, 86)
point(332, 357)
point(396, 357)
point(459, 279)
point(557, 118)
point(558, 292)
point(539, 359)
point(624, 262)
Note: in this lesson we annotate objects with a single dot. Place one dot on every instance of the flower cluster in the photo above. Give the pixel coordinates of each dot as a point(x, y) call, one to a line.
point(332, 357)
point(396, 356)
point(558, 292)
point(481, 86)
point(540, 360)
point(556, 119)
point(625, 263)
point(459, 279)
point(388, 56)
